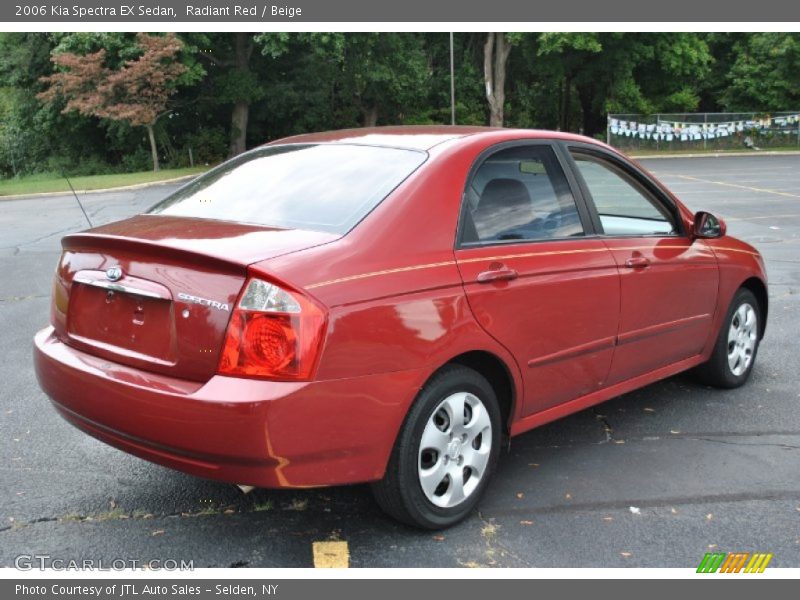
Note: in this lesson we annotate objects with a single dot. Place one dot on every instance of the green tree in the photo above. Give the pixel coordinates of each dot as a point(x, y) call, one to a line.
point(625, 72)
point(34, 136)
point(239, 89)
point(136, 92)
point(496, 50)
point(723, 49)
point(433, 102)
point(237, 76)
point(765, 75)
point(380, 76)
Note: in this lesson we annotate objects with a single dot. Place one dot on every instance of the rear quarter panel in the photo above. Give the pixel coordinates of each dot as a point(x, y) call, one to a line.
point(394, 293)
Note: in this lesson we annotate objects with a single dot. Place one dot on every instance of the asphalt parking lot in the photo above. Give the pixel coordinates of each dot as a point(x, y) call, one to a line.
point(654, 478)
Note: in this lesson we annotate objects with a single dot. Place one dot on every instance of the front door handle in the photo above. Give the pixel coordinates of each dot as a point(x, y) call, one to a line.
point(637, 262)
point(500, 274)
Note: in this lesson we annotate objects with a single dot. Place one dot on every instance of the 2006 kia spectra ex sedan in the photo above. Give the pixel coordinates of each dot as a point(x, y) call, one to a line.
point(386, 305)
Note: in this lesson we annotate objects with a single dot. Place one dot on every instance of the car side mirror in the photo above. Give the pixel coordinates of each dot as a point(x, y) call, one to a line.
point(707, 226)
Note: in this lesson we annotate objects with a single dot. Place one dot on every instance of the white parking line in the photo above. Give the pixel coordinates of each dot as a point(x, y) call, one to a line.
point(741, 187)
point(794, 216)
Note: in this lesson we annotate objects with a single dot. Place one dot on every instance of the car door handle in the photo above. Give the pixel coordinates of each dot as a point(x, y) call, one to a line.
point(503, 274)
point(637, 262)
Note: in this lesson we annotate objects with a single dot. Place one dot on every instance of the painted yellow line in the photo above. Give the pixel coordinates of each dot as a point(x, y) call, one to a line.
point(741, 187)
point(792, 216)
point(331, 555)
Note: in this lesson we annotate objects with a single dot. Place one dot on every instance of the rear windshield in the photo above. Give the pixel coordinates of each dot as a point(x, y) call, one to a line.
point(322, 187)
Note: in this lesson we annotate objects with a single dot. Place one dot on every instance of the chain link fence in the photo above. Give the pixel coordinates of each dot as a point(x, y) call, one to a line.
point(675, 132)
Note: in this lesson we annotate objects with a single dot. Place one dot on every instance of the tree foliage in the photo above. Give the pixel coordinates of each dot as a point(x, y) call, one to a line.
point(623, 72)
point(219, 93)
point(136, 92)
point(378, 75)
point(765, 74)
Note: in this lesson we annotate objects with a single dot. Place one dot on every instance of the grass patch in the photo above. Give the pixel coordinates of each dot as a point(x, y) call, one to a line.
point(111, 515)
point(205, 512)
point(52, 182)
point(263, 506)
point(72, 518)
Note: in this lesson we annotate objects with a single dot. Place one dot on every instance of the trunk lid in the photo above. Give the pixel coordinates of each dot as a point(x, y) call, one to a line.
point(156, 292)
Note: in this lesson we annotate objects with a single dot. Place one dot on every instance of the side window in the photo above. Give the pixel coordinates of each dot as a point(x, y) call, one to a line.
point(624, 207)
point(519, 193)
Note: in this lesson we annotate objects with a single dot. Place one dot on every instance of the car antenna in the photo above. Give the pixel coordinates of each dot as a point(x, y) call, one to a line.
point(78, 200)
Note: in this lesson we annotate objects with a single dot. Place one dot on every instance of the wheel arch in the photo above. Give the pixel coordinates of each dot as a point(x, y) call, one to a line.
point(759, 290)
point(499, 376)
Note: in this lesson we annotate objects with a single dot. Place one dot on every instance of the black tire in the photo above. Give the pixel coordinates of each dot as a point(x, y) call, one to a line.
point(717, 370)
point(400, 492)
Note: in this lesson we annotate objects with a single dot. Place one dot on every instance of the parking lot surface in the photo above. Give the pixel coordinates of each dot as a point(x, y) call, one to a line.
point(654, 478)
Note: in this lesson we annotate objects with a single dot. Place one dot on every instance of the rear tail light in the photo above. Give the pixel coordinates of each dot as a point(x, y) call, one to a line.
point(274, 333)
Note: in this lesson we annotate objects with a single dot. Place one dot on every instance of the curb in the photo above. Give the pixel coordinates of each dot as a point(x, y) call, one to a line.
point(716, 154)
point(135, 186)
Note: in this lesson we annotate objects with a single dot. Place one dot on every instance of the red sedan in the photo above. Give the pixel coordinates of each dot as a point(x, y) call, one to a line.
point(387, 305)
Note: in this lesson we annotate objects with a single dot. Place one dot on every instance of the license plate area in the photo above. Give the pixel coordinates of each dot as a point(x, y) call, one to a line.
point(121, 322)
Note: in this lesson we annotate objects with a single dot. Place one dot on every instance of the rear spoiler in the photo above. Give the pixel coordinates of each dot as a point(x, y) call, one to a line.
point(162, 249)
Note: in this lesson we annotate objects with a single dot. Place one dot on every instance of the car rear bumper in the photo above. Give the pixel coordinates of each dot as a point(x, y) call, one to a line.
point(262, 433)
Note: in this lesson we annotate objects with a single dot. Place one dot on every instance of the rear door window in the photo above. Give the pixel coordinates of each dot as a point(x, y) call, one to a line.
point(321, 187)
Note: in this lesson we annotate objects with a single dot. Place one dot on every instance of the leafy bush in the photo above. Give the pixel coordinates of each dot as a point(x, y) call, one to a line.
point(137, 160)
point(209, 146)
point(77, 166)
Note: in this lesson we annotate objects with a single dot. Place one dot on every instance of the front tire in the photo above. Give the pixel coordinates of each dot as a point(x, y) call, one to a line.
point(735, 351)
point(445, 453)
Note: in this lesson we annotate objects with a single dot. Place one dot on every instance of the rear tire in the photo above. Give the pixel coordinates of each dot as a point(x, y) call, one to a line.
point(445, 453)
point(736, 347)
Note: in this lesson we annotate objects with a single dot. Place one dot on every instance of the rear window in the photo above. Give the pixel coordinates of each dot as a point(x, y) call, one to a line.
point(323, 187)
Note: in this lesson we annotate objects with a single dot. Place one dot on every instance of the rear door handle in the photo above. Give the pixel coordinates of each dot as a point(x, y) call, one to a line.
point(637, 262)
point(503, 274)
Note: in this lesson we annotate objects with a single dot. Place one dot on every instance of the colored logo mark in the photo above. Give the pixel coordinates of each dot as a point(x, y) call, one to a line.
point(734, 562)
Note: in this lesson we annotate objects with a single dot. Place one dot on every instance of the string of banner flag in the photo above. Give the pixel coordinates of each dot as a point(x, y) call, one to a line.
point(684, 132)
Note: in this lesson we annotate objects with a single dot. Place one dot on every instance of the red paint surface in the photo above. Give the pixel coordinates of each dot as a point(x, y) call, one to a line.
point(574, 326)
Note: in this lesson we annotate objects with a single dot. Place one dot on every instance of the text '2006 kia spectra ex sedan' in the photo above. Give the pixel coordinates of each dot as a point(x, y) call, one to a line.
point(386, 305)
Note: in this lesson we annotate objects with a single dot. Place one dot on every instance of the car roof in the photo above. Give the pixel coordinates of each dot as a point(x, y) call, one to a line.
point(420, 137)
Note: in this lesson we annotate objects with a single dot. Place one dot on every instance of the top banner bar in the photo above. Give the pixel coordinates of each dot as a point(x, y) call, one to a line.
point(422, 11)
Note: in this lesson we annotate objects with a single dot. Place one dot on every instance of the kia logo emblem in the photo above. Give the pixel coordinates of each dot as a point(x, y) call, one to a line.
point(114, 273)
